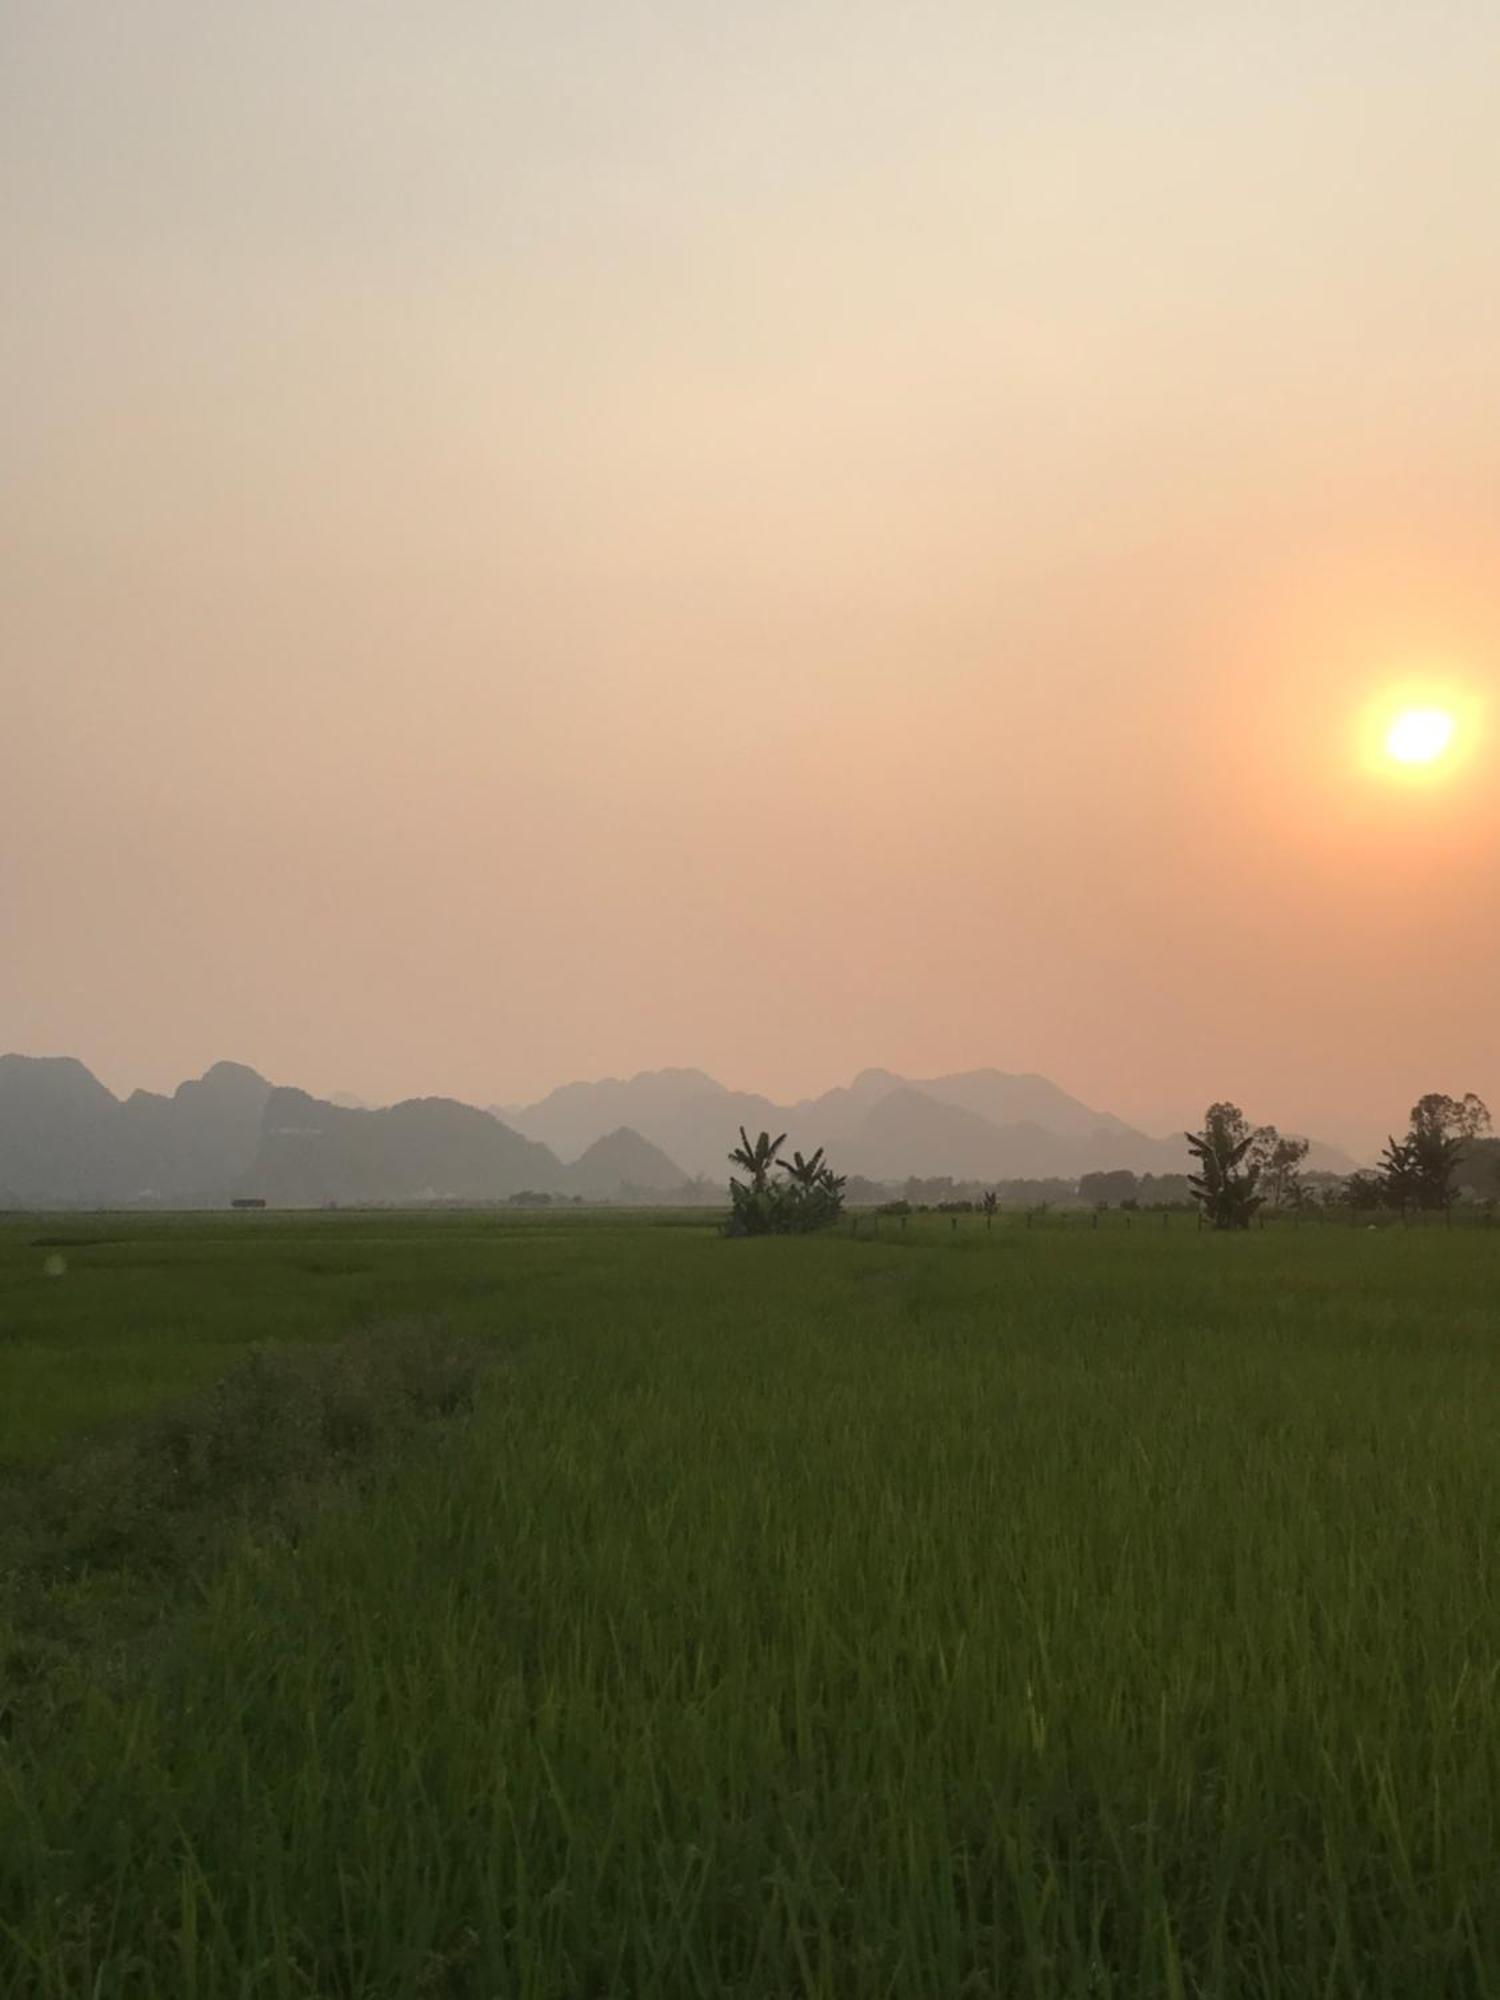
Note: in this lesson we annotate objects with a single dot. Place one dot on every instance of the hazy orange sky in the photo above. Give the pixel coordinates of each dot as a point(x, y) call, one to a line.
point(544, 540)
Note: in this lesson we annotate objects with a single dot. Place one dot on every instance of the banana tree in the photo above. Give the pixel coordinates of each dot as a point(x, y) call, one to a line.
point(809, 1197)
point(803, 1172)
point(1225, 1188)
point(757, 1158)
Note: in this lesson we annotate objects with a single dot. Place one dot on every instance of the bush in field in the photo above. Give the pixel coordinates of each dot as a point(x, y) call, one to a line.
point(810, 1196)
point(281, 1421)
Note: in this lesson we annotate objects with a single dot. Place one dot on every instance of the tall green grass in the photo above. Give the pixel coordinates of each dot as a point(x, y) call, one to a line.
point(971, 1614)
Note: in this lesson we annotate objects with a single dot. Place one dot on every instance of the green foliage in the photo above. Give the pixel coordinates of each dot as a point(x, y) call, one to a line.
point(1279, 1159)
point(282, 1417)
point(1363, 1191)
point(1242, 1168)
point(1399, 1175)
point(757, 1158)
point(1228, 1176)
point(1419, 1170)
point(811, 1196)
point(140, 1512)
point(1101, 1190)
point(1025, 1612)
point(1479, 1172)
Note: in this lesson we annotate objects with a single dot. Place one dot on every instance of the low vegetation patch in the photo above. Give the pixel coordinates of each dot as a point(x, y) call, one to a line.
point(90, 1546)
point(809, 1195)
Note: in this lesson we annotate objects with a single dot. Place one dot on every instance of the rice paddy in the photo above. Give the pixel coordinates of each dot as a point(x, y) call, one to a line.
point(955, 1612)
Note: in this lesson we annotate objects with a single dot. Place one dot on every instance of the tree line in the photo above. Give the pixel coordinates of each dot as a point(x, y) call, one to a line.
point(1243, 1168)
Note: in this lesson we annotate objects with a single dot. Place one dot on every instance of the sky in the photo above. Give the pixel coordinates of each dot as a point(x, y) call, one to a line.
point(540, 541)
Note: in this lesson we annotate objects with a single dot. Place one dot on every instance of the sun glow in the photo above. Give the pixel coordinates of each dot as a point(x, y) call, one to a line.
point(1423, 731)
point(1421, 735)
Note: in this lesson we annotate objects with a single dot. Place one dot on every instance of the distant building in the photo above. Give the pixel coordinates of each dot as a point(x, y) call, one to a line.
point(248, 1201)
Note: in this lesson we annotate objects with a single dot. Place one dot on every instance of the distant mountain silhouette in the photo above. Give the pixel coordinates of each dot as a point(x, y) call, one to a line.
point(1026, 1100)
point(623, 1160)
point(199, 1140)
point(909, 1132)
point(690, 1116)
point(65, 1139)
point(427, 1149)
point(56, 1128)
point(977, 1124)
point(63, 1136)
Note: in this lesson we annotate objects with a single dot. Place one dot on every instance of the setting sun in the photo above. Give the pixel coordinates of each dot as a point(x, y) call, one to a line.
point(1420, 735)
point(1423, 731)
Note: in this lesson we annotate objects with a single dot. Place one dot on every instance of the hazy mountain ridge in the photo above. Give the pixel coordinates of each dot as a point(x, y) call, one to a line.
point(424, 1149)
point(984, 1124)
point(622, 1160)
point(689, 1114)
point(65, 1138)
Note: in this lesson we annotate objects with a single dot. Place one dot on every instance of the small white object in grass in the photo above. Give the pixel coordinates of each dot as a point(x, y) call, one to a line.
point(55, 1266)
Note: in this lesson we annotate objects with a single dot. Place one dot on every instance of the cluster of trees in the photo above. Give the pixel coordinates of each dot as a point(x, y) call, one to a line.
point(986, 1204)
point(808, 1194)
point(1241, 1170)
point(944, 1195)
point(947, 1195)
point(1419, 1170)
point(1244, 1168)
point(1118, 1187)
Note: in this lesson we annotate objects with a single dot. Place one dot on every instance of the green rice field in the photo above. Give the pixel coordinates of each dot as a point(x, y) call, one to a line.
point(944, 1612)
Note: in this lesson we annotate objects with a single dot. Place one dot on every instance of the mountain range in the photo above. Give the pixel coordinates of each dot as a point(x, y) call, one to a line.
point(982, 1124)
point(66, 1139)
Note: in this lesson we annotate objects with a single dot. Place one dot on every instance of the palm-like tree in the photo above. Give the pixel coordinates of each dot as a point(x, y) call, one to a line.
point(758, 1158)
point(804, 1172)
point(1400, 1173)
point(1226, 1186)
point(810, 1197)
